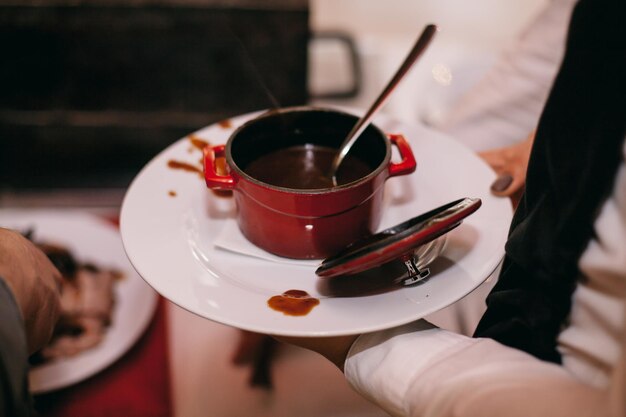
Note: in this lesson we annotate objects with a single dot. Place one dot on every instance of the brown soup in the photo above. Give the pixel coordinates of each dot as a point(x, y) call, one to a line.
point(305, 167)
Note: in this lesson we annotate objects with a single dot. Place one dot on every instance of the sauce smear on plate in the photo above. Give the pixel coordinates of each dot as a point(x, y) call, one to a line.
point(293, 303)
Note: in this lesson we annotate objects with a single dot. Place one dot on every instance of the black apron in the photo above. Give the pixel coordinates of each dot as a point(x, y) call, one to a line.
point(571, 172)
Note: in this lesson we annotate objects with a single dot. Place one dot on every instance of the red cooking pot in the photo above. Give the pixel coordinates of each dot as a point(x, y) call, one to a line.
point(278, 165)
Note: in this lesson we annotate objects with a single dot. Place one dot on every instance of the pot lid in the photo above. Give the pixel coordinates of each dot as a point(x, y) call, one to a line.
point(399, 242)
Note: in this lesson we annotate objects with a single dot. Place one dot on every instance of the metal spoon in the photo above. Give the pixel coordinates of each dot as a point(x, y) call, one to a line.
point(361, 125)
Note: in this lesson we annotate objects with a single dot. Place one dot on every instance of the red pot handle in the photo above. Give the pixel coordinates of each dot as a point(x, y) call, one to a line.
point(212, 178)
point(408, 163)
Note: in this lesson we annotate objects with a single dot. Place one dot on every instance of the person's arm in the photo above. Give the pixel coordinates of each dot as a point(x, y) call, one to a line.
point(505, 105)
point(34, 282)
point(420, 370)
point(29, 308)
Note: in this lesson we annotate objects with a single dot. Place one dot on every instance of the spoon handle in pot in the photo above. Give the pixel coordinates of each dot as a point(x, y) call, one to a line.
point(419, 47)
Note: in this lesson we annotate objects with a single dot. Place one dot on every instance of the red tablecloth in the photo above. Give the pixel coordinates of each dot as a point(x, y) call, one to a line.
point(137, 385)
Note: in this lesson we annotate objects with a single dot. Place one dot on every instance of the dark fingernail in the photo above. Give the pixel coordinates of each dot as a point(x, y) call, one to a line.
point(502, 183)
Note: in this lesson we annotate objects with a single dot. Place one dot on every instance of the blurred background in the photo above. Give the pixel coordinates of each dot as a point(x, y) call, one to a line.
point(92, 89)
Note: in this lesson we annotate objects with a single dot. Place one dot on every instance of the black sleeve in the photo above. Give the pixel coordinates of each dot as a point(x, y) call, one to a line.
point(14, 395)
point(572, 168)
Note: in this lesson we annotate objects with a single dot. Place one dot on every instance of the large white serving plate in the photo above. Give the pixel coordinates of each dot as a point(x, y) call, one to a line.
point(170, 220)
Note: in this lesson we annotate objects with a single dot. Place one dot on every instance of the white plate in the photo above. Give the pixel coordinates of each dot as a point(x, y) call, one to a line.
point(93, 240)
point(169, 240)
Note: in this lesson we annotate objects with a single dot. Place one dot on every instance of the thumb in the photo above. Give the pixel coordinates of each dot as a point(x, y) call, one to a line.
point(506, 185)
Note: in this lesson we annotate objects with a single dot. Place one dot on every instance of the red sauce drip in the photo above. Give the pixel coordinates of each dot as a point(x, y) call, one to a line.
point(197, 143)
point(185, 167)
point(225, 124)
point(293, 303)
point(172, 193)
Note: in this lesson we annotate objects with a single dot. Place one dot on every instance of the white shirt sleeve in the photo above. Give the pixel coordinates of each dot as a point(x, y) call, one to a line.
point(417, 370)
point(504, 107)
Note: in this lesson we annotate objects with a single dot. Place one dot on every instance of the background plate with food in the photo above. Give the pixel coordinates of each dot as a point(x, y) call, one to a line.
point(107, 306)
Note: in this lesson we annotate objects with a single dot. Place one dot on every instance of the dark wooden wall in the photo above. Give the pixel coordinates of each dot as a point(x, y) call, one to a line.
point(90, 92)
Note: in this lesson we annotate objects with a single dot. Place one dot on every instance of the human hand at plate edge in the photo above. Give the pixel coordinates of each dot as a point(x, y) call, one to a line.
point(256, 350)
point(510, 163)
point(333, 348)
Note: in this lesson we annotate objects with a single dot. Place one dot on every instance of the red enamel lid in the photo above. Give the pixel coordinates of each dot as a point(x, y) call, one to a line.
point(398, 242)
